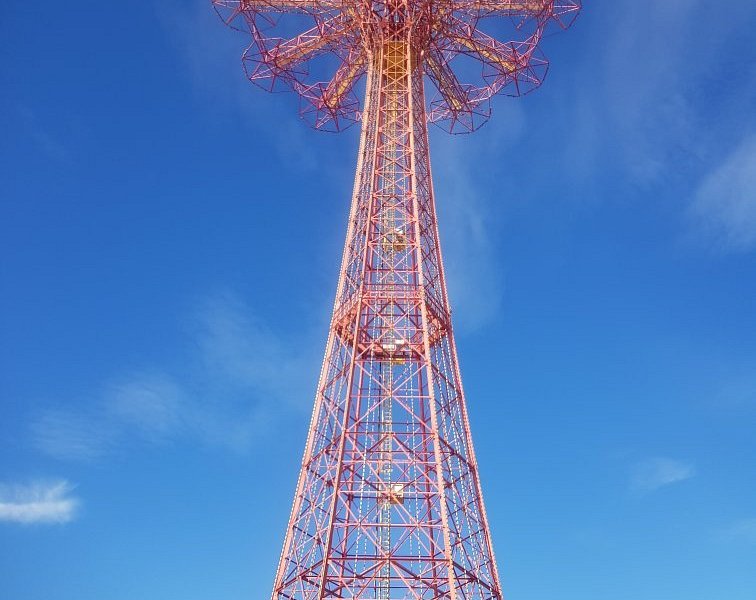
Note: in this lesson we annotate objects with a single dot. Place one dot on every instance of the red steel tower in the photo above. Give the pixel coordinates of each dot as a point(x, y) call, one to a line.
point(388, 505)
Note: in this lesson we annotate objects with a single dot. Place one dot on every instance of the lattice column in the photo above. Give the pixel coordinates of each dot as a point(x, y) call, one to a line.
point(388, 503)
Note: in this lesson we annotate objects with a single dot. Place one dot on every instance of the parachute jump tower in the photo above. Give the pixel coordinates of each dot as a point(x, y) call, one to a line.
point(388, 505)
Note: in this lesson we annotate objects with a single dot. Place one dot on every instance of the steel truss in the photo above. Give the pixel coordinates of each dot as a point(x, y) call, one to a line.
point(388, 504)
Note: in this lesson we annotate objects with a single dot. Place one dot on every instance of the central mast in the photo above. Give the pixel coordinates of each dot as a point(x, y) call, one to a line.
point(394, 68)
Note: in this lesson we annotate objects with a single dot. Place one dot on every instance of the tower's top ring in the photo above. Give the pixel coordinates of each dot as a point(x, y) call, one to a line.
point(321, 49)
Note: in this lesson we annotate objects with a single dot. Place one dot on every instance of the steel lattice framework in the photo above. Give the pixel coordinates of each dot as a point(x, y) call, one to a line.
point(388, 504)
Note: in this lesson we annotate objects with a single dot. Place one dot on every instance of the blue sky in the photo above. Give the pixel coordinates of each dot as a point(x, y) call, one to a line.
point(170, 238)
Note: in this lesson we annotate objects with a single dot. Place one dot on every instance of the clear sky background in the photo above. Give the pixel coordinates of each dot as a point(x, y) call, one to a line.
point(169, 246)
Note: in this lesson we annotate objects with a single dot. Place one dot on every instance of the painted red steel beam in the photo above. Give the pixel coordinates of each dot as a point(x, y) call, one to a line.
point(388, 503)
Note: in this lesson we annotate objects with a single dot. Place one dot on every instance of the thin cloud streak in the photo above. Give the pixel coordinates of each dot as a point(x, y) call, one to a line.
point(724, 207)
point(467, 206)
point(645, 112)
point(743, 530)
point(40, 502)
point(643, 86)
point(45, 141)
point(240, 380)
point(69, 435)
point(150, 404)
point(211, 54)
point(737, 392)
point(655, 473)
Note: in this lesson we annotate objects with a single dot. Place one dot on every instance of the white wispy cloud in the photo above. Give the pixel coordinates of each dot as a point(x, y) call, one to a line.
point(73, 435)
point(151, 403)
point(737, 392)
point(238, 381)
point(250, 375)
point(40, 502)
point(468, 206)
point(655, 473)
point(236, 345)
point(475, 274)
point(655, 106)
point(724, 207)
point(42, 137)
point(635, 111)
point(741, 530)
point(210, 53)
point(645, 101)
